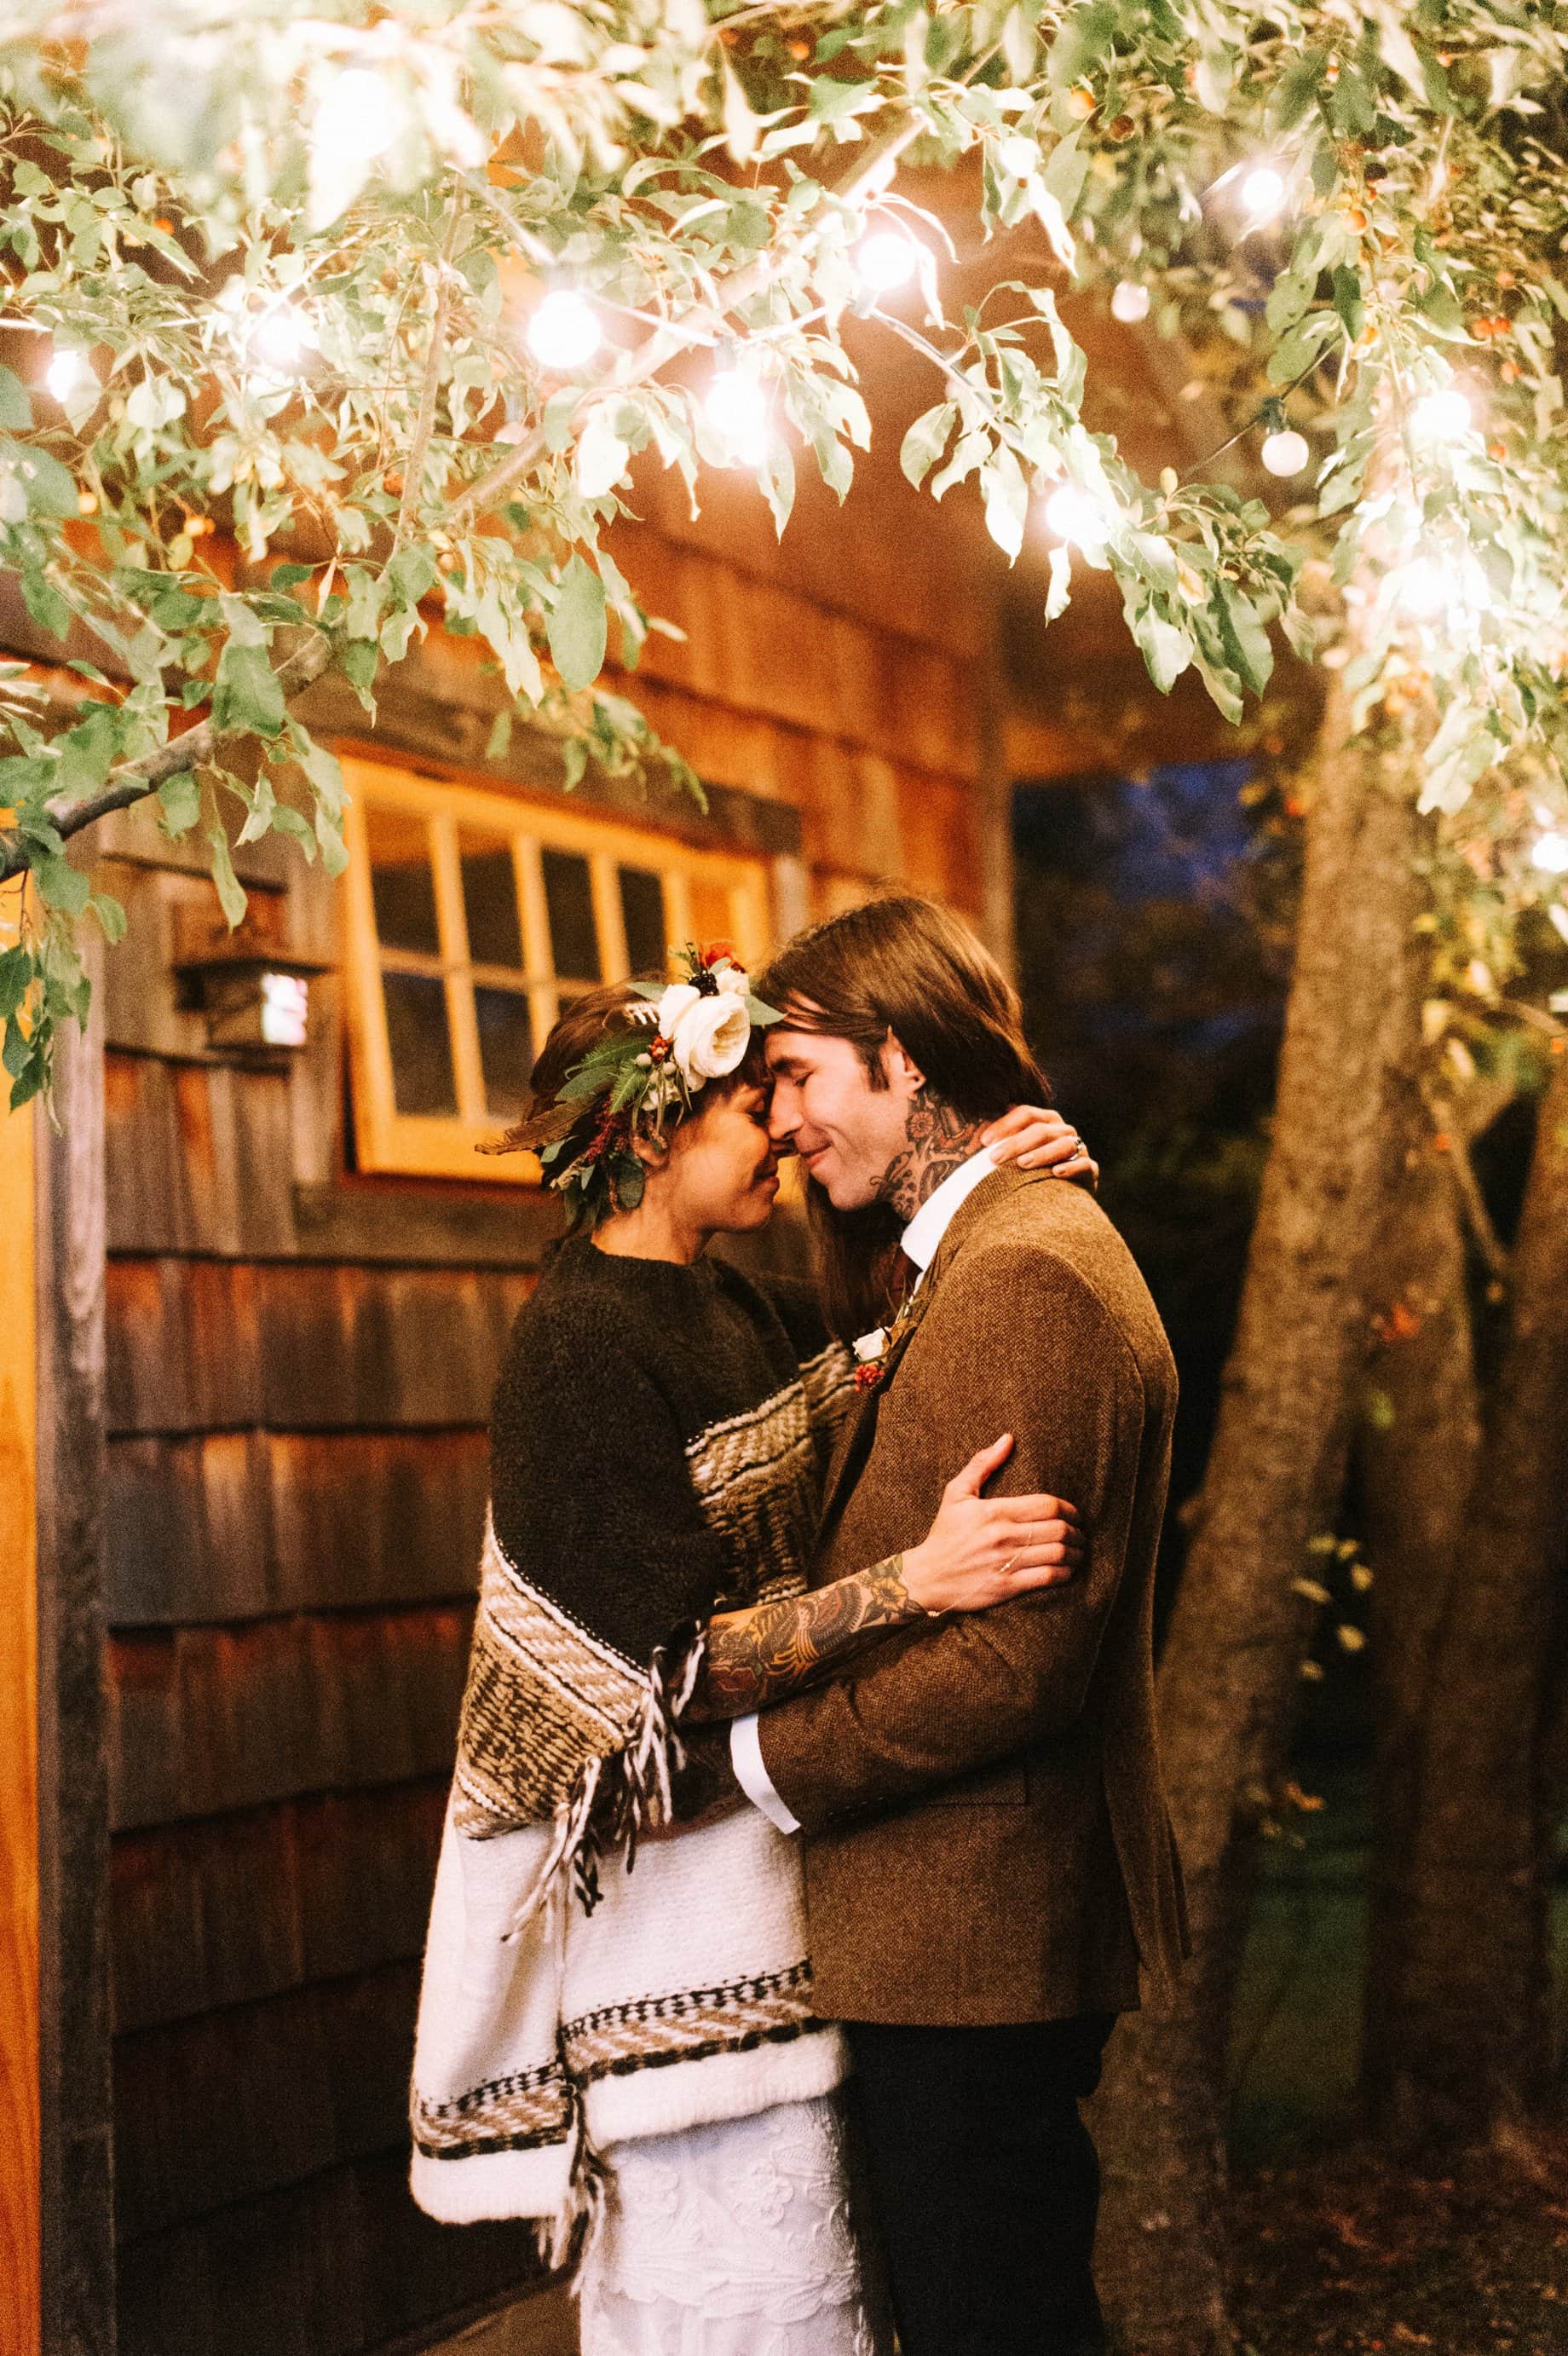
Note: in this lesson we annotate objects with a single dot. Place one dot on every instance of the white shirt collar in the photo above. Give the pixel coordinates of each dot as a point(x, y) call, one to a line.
point(935, 1214)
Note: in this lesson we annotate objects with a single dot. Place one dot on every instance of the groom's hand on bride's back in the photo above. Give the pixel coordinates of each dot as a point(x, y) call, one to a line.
point(983, 1550)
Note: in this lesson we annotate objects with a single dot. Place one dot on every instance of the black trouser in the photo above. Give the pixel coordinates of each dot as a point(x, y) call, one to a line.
point(984, 2182)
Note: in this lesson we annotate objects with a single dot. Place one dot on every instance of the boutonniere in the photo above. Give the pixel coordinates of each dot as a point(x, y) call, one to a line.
point(873, 1350)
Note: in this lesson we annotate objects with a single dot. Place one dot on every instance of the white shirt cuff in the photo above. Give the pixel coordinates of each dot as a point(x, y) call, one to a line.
point(746, 1758)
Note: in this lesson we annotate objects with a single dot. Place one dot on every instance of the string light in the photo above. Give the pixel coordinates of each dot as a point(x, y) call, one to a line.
point(1263, 193)
point(1129, 302)
point(1438, 415)
point(1075, 516)
point(64, 373)
point(1551, 854)
point(281, 337)
point(737, 409)
point(564, 331)
point(1420, 587)
point(357, 120)
point(885, 259)
point(1285, 452)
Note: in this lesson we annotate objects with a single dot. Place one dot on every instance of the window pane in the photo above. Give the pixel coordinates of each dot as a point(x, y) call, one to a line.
point(505, 1049)
point(490, 900)
point(402, 884)
point(641, 911)
point(420, 1044)
point(569, 895)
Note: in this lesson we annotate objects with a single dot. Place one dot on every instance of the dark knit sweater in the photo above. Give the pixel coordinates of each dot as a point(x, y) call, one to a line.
point(658, 1442)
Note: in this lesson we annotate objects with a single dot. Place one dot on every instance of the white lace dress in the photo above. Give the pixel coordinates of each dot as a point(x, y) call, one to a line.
point(732, 2240)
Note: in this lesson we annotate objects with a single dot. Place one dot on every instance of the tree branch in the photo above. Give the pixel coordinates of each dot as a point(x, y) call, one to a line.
point(132, 781)
point(657, 350)
point(424, 423)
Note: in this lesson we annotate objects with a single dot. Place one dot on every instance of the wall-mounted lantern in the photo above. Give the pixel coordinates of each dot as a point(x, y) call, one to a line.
point(254, 994)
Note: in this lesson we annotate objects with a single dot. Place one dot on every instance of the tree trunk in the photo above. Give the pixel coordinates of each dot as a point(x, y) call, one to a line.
point(1231, 1673)
point(1417, 1464)
point(1469, 2025)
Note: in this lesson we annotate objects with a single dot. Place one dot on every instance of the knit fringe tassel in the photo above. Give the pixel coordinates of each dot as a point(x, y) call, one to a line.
point(614, 1793)
point(570, 2236)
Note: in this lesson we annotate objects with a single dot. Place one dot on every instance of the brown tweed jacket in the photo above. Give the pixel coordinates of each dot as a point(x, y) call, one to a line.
point(986, 1838)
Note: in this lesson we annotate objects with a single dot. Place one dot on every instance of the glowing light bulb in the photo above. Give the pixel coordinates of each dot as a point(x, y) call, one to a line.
point(281, 337)
point(1551, 854)
point(1438, 415)
point(1286, 452)
point(564, 332)
point(356, 116)
point(885, 259)
point(1421, 587)
point(737, 409)
point(64, 373)
point(1073, 515)
point(1263, 193)
point(1129, 302)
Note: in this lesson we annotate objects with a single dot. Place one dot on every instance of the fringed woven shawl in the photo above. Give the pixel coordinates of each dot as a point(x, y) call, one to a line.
point(570, 2001)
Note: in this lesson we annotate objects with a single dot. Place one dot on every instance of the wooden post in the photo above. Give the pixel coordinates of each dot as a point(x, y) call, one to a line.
point(77, 2223)
point(20, 2327)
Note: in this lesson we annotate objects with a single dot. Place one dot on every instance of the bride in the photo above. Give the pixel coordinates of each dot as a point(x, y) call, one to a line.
point(630, 2058)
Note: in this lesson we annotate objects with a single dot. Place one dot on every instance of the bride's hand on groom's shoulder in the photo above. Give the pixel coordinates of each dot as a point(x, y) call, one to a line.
point(984, 1550)
point(1037, 1139)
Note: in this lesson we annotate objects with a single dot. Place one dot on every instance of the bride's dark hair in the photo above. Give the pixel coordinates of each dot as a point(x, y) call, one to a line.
point(908, 967)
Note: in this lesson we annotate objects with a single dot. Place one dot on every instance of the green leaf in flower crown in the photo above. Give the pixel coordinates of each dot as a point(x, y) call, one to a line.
point(575, 626)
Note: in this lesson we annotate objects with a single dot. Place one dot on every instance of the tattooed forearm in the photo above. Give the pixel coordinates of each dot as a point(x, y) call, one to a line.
point(939, 1141)
point(759, 1657)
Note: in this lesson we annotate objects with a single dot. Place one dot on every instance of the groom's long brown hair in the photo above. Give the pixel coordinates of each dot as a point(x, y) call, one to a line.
point(910, 967)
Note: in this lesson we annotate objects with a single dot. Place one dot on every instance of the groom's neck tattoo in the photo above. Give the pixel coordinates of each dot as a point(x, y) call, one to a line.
point(939, 1141)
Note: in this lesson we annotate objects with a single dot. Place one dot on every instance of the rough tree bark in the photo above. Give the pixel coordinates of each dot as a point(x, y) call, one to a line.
point(1468, 2022)
point(1417, 1469)
point(1231, 1673)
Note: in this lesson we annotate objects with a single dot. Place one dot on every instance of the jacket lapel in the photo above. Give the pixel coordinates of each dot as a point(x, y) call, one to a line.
point(861, 1428)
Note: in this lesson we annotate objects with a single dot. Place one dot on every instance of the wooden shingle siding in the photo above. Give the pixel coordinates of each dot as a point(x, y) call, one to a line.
point(235, 1907)
point(210, 1718)
point(340, 2263)
point(211, 1346)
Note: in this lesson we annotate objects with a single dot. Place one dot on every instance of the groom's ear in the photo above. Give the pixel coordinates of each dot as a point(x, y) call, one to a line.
point(904, 1076)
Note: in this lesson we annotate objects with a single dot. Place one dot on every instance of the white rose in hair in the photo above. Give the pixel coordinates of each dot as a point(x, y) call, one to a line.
point(709, 1037)
point(734, 978)
point(675, 1003)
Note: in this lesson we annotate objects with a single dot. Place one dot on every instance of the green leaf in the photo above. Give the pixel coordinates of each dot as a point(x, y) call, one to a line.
point(1245, 639)
point(246, 694)
point(16, 976)
point(50, 487)
point(1166, 649)
point(110, 917)
point(411, 575)
point(1349, 299)
point(231, 892)
point(179, 800)
point(575, 626)
point(15, 409)
point(1061, 591)
point(62, 885)
point(926, 440)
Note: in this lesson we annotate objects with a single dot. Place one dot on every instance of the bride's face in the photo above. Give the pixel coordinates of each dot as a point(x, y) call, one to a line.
point(721, 1170)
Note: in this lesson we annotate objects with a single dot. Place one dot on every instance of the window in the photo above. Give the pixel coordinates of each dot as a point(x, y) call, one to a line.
point(473, 918)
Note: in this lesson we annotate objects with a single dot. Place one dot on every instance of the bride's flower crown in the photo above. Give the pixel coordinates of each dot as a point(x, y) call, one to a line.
point(639, 1081)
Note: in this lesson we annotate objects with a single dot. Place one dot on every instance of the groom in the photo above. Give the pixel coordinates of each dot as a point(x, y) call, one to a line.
point(988, 1860)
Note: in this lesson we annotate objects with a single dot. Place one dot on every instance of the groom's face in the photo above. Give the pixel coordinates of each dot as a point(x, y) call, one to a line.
point(826, 1109)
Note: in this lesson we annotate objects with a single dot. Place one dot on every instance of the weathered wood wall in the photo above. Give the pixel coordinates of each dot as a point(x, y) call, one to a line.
point(19, 2307)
